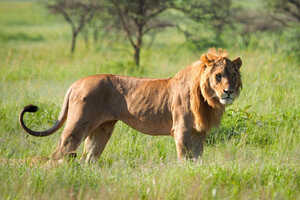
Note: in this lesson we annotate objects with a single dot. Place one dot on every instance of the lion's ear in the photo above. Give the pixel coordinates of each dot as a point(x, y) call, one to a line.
point(204, 59)
point(212, 57)
point(238, 63)
point(207, 59)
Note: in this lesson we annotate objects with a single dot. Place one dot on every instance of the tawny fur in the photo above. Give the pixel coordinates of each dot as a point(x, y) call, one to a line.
point(186, 107)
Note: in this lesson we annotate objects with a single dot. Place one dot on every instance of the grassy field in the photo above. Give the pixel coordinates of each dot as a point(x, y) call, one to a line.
point(255, 154)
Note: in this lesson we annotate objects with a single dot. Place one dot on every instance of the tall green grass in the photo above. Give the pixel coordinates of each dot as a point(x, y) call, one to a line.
point(253, 155)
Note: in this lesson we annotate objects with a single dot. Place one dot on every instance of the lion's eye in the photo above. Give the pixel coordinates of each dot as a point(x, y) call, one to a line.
point(218, 77)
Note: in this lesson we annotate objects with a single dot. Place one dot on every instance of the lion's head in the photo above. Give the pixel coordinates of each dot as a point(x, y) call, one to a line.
point(218, 83)
point(221, 79)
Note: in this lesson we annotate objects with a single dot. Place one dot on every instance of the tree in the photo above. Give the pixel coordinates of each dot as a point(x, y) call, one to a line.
point(285, 11)
point(76, 12)
point(138, 18)
point(250, 21)
point(213, 14)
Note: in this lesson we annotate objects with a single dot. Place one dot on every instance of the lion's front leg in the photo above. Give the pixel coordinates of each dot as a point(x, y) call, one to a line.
point(189, 143)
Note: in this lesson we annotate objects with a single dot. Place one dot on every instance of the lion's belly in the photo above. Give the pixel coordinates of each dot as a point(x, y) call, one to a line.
point(151, 127)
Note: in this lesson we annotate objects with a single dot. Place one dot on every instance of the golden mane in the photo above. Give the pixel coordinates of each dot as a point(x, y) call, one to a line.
point(213, 55)
point(206, 108)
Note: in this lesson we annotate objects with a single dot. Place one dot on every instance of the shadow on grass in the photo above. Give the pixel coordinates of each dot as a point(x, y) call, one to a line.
point(7, 37)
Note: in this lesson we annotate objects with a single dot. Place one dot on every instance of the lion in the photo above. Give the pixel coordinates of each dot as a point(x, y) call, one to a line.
point(185, 107)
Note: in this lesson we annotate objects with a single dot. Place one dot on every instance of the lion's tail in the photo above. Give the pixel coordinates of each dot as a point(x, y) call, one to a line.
point(61, 119)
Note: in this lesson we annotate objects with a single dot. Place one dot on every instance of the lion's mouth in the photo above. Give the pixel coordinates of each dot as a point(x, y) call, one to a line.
point(226, 100)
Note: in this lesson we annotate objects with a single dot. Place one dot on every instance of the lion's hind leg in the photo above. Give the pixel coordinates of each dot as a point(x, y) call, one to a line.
point(71, 137)
point(96, 141)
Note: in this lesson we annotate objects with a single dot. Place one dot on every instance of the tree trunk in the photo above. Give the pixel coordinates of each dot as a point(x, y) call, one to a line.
point(96, 34)
point(218, 32)
point(137, 51)
point(86, 38)
point(138, 46)
point(74, 37)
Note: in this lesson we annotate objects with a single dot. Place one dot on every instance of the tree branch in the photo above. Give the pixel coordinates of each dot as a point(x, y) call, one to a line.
point(292, 13)
point(89, 13)
point(281, 21)
point(158, 26)
point(122, 19)
point(60, 9)
point(157, 12)
point(296, 3)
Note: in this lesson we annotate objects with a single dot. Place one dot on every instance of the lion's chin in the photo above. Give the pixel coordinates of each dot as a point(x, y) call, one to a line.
point(226, 101)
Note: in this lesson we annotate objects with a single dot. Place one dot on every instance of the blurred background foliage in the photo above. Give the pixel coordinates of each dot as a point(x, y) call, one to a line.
point(203, 23)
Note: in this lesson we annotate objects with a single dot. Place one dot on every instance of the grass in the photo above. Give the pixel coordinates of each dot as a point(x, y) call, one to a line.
point(253, 155)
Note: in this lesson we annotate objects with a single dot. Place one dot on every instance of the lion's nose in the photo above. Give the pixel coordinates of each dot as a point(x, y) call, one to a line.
point(228, 91)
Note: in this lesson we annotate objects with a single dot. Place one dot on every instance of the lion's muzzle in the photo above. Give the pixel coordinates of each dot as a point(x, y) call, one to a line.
point(227, 97)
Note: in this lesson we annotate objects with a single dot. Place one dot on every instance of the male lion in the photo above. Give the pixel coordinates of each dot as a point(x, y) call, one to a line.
point(186, 107)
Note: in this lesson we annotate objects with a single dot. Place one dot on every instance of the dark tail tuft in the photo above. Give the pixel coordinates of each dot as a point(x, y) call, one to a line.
point(30, 108)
